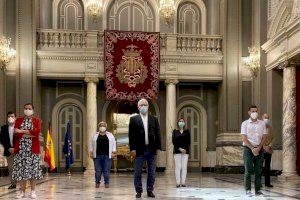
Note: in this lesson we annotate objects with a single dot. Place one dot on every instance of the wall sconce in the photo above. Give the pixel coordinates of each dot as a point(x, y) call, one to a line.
point(95, 7)
point(167, 9)
point(253, 61)
point(6, 53)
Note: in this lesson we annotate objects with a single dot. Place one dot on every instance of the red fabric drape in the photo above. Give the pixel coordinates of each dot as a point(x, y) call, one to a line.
point(131, 62)
point(298, 116)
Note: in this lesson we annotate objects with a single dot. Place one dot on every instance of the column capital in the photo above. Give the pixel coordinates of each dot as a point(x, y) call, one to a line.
point(91, 79)
point(171, 81)
point(288, 63)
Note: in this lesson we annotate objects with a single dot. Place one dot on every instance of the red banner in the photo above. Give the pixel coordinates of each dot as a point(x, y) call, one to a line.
point(131, 61)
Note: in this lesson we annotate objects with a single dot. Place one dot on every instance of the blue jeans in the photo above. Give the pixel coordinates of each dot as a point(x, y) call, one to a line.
point(138, 166)
point(101, 164)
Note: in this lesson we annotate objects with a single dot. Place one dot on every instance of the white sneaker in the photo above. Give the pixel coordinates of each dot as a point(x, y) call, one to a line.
point(21, 195)
point(33, 195)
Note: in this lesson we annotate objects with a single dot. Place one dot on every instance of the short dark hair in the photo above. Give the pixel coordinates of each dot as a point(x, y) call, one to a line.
point(29, 104)
point(252, 106)
point(10, 113)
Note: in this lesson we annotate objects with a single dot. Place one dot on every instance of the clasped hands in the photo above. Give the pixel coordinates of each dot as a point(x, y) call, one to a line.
point(25, 132)
point(255, 151)
point(133, 153)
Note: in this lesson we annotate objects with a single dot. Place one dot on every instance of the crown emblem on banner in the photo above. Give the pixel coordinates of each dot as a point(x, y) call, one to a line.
point(131, 69)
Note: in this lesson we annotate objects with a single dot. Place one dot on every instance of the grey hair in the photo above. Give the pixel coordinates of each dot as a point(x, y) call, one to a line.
point(142, 101)
point(102, 122)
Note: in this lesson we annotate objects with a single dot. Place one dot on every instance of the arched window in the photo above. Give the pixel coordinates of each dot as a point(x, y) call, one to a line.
point(70, 14)
point(188, 18)
point(129, 15)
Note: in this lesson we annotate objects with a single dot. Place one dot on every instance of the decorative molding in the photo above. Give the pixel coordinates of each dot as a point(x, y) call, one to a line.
point(171, 81)
point(91, 79)
point(82, 58)
point(190, 61)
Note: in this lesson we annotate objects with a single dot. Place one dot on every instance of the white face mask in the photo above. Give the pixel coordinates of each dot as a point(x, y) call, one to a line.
point(28, 112)
point(267, 121)
point(102, 129)
point(254, 115)
point(11, 120)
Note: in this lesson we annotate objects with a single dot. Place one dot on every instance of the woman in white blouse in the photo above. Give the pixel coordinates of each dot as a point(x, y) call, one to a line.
point(102, 149)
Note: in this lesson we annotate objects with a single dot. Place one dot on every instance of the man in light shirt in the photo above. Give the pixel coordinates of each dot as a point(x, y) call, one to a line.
point(254, 134)
point(6, 139)
point(144, 142)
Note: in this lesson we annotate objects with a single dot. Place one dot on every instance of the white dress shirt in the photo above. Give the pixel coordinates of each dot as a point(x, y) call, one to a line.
point(145, 122)
point(254, 130)
point(11, 134)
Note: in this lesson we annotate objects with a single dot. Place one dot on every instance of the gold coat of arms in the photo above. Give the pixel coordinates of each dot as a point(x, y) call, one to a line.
point(131, 69)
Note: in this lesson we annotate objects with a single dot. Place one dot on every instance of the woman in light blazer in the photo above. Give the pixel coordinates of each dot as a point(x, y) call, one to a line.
point(102, 149)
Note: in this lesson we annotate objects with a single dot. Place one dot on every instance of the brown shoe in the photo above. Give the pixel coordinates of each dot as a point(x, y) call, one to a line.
point(106, 185)
point(97, 185)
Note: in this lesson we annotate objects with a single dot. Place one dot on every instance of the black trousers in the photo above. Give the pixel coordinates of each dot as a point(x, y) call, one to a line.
point(267, 157)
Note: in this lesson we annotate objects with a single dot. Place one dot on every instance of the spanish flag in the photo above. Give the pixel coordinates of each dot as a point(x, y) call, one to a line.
point(49, 152)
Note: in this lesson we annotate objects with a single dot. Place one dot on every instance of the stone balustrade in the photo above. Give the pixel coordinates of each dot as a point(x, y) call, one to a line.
point(51, 38)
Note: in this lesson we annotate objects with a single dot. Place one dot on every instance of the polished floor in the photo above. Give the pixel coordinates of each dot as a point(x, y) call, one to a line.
point(199, 186)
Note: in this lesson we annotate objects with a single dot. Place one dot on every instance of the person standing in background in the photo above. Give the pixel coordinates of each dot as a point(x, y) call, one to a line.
point(102, 149)
point(254, 134)
point(6, 139)
point(268, 149)
point(181, 142)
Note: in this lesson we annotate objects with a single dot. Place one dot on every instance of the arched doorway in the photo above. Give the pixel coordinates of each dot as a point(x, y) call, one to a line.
point(69, 110)
point(196, 121)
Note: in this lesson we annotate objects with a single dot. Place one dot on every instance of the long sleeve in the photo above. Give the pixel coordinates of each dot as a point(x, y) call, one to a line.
point(131, 134)
point(91, 143)
point(158, 142)
point(17, 126)
point(189, 139)
point(36, 127)
point(114, 148)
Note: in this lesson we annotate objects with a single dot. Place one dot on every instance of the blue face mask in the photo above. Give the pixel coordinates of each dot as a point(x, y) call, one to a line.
point(181, 124)
point(144, 109)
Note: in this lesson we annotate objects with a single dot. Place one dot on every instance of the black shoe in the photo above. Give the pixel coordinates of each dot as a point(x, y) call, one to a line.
point(138, 195)
point(269, 185)
point(183, 185)
point(258, 193)
point(150, 194)
point(12, 187)
point(178, 186)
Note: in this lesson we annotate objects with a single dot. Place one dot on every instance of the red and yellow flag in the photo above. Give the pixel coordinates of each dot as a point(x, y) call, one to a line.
point(49, 152)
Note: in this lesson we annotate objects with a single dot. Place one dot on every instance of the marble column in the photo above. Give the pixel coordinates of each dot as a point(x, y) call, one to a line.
point(289, 123)
point(170, 121)
point(91, 114)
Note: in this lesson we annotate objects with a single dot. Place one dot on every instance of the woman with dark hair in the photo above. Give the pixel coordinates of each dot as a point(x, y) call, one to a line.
point(27, 149)
point(181, 142)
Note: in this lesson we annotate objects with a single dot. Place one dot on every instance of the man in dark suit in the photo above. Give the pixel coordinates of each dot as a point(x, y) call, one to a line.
point(144, 141)
point(6, 139)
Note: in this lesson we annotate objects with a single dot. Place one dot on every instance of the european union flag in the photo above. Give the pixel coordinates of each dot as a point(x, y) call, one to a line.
point(68, 151)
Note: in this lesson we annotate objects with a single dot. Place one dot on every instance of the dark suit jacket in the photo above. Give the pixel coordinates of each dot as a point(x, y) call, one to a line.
point(4, 139)
point(136, 134)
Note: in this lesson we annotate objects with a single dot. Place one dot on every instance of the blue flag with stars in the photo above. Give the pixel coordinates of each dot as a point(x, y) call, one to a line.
point(68, 151)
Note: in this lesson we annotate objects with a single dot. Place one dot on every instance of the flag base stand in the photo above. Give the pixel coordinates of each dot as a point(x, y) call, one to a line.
point(69, 172)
